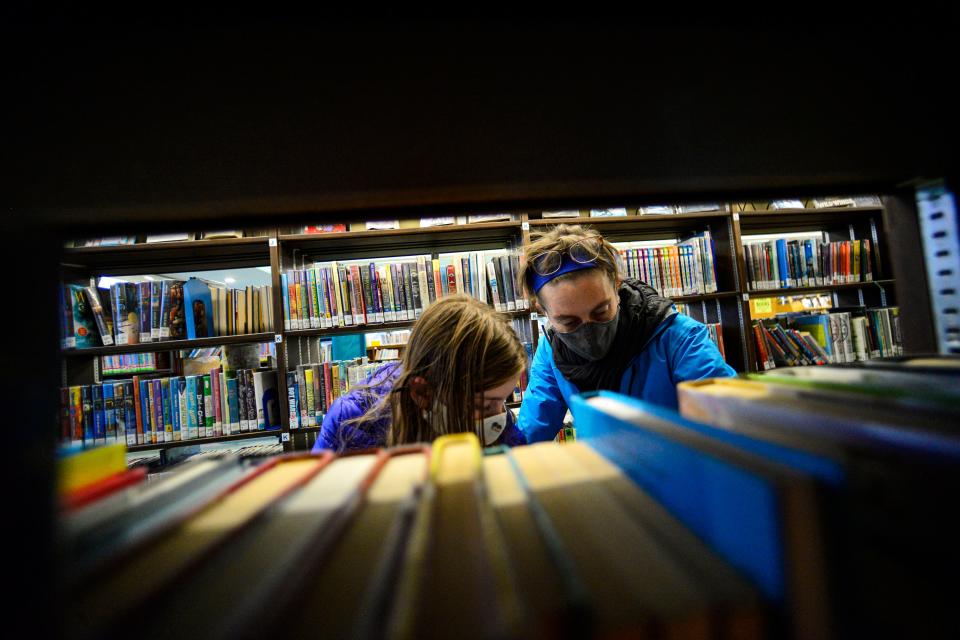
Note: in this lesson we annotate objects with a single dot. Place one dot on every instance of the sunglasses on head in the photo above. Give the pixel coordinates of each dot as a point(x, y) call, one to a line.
point(582, 251)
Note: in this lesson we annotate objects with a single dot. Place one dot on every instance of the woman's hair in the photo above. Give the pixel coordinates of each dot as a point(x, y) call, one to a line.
point(560, 238)
point(461, 347)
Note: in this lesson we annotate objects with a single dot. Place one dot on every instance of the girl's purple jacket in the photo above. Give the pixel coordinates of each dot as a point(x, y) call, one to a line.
point(338, 437)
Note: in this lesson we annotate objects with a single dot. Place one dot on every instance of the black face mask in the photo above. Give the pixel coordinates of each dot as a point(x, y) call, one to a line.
point(641, 311)
point(592, 340)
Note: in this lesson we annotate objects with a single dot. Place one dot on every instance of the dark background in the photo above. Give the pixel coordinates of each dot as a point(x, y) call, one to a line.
point(127, 122)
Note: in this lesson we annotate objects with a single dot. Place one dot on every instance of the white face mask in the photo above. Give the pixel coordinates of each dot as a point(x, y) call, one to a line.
point(493, 426)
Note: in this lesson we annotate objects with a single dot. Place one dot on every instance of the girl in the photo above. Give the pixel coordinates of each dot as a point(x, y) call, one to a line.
point(461, 364)
point(606, 332)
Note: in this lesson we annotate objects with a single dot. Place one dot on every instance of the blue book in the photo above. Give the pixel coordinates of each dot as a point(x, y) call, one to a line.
point(167, 409)
point(131, 413)
point(175, 407)
point(191, 399)
point(198, 309)
point(286, 302)
point(158, 423)
point(782, 264)
point(233, 403)
point(739, 497)
point(99, 417)
point(145, 412)
point(293, 399)
point(109, 413)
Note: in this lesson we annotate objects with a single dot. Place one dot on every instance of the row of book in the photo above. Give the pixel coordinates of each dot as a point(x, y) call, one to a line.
point(139, 313)
point(174, 409)
point(828, 338)
point(769, 506)
point(338, 294)
point(114, 241)
point(683, 269)
point(783, 264)
point(126, 364)
point(313, 387)
point(241, 311)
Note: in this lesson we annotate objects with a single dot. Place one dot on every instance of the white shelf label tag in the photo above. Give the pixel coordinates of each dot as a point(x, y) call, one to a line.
point(272, 242)
point(525, 226)
point(736, 216)
point(746, 297)
point(278, 338)
point(285, 437)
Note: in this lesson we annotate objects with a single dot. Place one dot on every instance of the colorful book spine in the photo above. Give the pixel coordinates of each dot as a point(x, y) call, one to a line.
point(167, 405)
point(215, 402)
point(208, 413)
point(233, 407)
point(293, 400)
point(193, 407)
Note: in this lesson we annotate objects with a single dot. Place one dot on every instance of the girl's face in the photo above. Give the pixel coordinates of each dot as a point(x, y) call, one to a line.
point(490, 402)
point(570, 302)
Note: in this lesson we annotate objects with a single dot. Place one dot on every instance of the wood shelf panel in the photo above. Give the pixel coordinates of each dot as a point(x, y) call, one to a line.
point(170, 345)
point(249, 435)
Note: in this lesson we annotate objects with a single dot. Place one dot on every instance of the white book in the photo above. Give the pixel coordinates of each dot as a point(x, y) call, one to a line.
point(422, 282)
point(494, 287)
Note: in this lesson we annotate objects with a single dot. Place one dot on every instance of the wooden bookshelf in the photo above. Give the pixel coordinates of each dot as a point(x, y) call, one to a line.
point(171, 345)
point(797, 291)
point(721, 295)
point(249, 435)
point(282, 251)
point(370, 328)
point(188, 255)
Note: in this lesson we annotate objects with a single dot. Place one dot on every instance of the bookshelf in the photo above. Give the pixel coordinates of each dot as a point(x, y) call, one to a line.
point(729, 306)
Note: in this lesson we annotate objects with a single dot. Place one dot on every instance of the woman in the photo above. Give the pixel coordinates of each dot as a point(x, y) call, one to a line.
point(606, 332)
point(461, 364)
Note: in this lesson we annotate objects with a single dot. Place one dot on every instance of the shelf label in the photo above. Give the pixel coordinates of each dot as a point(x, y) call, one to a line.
point(736, 216)
point(763, 305)
point(525, 226)
point(272, 242)
point(278, 338)
point(285, 437)
point(533, 315)
point(746, 297)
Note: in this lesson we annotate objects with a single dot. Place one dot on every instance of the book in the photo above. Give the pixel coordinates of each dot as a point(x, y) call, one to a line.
point(268, 402)
point(561, 214)
point(324, 228)
point(198, 311)
point(608, 213)
point(95, 304)
point(382, 224)
point(436, 222)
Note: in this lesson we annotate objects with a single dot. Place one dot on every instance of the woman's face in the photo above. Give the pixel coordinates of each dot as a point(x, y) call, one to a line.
point(587, 297)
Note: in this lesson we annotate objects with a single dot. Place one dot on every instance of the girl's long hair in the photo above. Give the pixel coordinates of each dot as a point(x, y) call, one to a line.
point(461, 347)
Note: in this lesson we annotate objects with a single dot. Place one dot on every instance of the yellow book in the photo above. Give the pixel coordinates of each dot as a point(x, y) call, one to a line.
point(89, 466)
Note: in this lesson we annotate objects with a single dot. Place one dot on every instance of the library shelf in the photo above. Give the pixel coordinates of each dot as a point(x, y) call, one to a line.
point(294, 431)
point(370, 328)
point(766, 293)
point(186, 255)
point(171, 345)
point(350, 245)
point(783, 220)
point(705, 296)
point(247, 435)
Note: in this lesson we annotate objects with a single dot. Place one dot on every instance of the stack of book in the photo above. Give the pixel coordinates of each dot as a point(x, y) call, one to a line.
point(349, 293)
point(682, 269)
point(783, 264)
point(805, 504)
point(159, 410)
point(822, 338)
